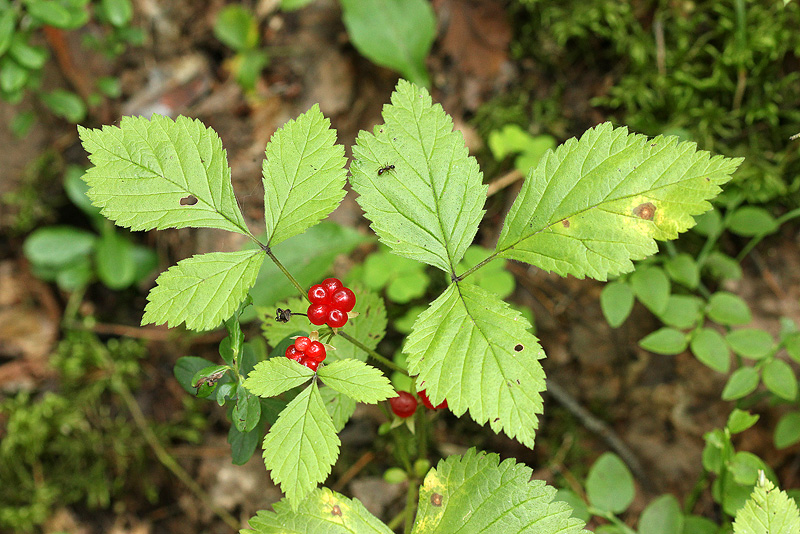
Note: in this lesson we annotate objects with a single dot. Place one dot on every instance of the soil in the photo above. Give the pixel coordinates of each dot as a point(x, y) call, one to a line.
point(659, 406)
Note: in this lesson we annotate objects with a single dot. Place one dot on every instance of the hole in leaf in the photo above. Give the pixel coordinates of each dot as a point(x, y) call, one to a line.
point(189, 200)
point(645, 211)
point(436, 499)
point(336, 510)
point(519, 347)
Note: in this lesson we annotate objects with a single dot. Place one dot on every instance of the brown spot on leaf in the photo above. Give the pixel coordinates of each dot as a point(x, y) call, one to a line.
point(519, 347)
point(336, 510)
point(436, 499)
point(189, 200)
point(565, 223)
point(645, 211)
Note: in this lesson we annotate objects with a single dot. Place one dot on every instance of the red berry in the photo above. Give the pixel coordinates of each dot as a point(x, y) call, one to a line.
point(404, 405)
point(318, 294)
point(336, 318)
point(293, 354)
point(427, 402)
point(332, 285)
point(318, 313)
point(344, 299)
point(311, 364)
point(302, 343)
point(315, 351)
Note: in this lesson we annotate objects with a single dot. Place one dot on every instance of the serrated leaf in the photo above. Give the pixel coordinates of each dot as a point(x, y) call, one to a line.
point(304, 175)
point(369, 327)
point(160, 173)
point(322, 512)
point(339, 406)
point(428, 206)
point(473, 349)
point(767, 511)
point(616, 302)
point(397, 34)
point(594, 204)
point(203, 290)
point(276, 375)
point(301, 446)
point(609, 484)
point(478, 493)
point(357, 380)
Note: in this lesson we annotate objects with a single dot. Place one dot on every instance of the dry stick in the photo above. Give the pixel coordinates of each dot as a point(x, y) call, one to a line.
point(503, 182)
point(354, 470)
point(595, 425)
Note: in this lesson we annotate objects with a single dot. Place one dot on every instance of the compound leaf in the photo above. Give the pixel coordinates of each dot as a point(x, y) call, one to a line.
point(301, 446)
point(276, 375)
point(322, 512)
point(471, 348)
point(203, 290)
point(339, 406)
point(594, 204)
point(357, 380)
point(768, 511)
point(478, 493)
point(304, 175)
point(428, 206)
point(160, 173)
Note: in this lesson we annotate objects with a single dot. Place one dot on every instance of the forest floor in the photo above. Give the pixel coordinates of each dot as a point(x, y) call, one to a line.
point(659, 406)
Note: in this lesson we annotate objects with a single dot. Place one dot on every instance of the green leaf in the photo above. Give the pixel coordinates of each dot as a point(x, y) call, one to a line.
point(728, 309)
point(58, 246)
point(579, 509)
point(160, 173)
point(237, 28)
point(322, 512)
point(683, 269)
point(741, 383)
point(304, 175)
point(787, 431)
point(247, 67)
point(751, 343)
point(276, 375)
point(65, 104)
point(291, 5)
point(723, 267)
point(609, 484)
point(779, 378)
point(473, 349)
point(682, 311)
point(186, 368)
point(428, 207)
point(709, 223)
point(116, 266)
point(247, 411)
point(616, 301)
point(357, 380)
point(13, 77)
point(792, 345)
point(478, 493)
point(695, 524)
point(109, 86)
point(397, 34)
point(76, 191)
point(243, 444)
point(665, 341)
point(662, 516)
point(369, 327)
point(404, 279)
point(118, 12)
point(203, 290)
point(49, 12)
point(740, 420)
point(493, 276)
point(30, 57)
point(8, 23)
point(768, 511)
point(301, 446)
point(750, 221)
point(308, 257)
point(206, 380)
point(339, 406)
point(594, 204)
point(651, 286)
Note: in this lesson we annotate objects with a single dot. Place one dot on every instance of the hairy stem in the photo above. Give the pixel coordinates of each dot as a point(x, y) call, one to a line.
point(475, 268)
point(285, 272)
point(385, 361)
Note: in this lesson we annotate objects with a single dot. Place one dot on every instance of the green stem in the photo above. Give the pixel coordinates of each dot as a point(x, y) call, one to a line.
point(475, 268)
point(411, 503)
point(757, 239)
point(694, 494)
point(612, 518)
point(385, 361)
point(285, 272)
point(421, 426)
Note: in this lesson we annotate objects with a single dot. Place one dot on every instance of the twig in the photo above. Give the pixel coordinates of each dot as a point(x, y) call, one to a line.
point(503, 182)
point(595, 425)
point(354, 469)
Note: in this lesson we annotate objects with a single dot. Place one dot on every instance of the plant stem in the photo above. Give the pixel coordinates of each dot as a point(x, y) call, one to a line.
point(411, 503)
point(612, 518)
point(385, 361)
point(161, 453)
point(285, 272)
point(788, 216)
point(475, 268)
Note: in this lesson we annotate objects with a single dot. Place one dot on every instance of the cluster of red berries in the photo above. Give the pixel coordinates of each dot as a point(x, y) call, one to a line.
point(307, 351)
point(404, 404)
point(330, 303)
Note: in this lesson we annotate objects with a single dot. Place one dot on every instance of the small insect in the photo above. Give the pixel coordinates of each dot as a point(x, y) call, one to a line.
point(385, 168)
point(211, 379)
